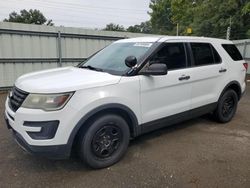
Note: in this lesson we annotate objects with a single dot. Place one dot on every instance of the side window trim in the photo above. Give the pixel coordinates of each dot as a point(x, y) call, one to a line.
point(213, 49)
point(191, 56)
point(186, 57)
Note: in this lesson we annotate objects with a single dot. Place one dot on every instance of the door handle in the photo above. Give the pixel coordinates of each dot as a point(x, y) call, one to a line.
point(222, 70)
point(184, 78)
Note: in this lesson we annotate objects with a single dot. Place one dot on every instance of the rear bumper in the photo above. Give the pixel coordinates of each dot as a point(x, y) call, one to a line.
point(51, 152)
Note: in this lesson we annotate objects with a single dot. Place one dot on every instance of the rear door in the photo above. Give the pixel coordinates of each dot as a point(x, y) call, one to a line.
point(208, 72)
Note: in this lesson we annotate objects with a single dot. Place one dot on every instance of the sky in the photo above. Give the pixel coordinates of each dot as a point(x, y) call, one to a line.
point(83, 13)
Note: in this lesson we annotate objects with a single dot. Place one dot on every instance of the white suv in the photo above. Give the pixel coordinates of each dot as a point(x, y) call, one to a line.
point(131, 87)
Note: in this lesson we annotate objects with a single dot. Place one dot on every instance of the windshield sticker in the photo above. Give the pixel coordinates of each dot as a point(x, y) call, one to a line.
point(143, 44)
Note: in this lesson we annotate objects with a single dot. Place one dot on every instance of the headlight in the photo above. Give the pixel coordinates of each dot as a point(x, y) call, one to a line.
point(47, 102)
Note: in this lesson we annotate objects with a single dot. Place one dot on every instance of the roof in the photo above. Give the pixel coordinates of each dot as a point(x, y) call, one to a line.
point(182, 38)
point(140, 39)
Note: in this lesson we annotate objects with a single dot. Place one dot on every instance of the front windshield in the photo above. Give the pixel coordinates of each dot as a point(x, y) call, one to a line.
point(112, 58)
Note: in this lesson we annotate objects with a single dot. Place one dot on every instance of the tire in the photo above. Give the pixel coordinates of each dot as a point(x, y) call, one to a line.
point(105, 142)
point(227, 106)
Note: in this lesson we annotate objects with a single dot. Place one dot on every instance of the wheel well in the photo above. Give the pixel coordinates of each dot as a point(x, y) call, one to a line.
point(234, 86)
point(131, 121)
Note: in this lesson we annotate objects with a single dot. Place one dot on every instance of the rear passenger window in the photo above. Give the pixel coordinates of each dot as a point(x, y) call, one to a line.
point(172, 54)
point(202, 53)
point(232, 51)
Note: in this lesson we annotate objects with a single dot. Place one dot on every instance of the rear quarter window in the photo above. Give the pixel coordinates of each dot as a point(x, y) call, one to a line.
point(232, 51)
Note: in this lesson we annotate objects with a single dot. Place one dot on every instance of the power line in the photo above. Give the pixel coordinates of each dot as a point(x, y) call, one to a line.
point(80, 6)
point(89, 6)
point(83, 21)
point(102, 15)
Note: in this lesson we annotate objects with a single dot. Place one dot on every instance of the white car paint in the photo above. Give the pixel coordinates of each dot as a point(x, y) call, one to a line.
point(165, 95)
point(64, 79)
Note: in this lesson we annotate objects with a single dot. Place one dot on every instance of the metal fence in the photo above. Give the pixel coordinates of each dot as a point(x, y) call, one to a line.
point(26, 48)
point(244, 48)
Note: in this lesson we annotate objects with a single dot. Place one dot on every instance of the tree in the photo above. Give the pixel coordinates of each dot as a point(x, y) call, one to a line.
point(246, 9)
point(161, 17)
point(246, 12)
point(213, 17)
point(114, 27)
point(144, 27)
point(28, 17)
point(206, 17)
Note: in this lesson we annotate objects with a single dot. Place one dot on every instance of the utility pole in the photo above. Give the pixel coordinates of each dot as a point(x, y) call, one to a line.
point(177, 29)
point(229, 29)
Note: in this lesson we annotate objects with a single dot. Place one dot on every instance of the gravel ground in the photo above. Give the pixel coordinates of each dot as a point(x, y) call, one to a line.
point(196, 153)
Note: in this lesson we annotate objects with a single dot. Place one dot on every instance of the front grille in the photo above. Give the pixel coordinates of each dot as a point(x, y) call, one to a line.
point(16, 98)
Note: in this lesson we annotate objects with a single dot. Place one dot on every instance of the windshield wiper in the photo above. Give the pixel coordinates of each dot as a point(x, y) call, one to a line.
point(92, 68)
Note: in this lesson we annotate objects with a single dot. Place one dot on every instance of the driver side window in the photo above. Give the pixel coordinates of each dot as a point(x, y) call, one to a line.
point(171, 54)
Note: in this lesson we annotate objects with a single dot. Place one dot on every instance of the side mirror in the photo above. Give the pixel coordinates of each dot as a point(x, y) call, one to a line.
point(155, 69)
point(131, 61)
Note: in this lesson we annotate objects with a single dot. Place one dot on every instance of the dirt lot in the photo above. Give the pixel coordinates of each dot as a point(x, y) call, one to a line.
point(197, 153)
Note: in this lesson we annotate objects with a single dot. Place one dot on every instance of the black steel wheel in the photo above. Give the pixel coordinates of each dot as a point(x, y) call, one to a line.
point(227, 106)
point(105, 141)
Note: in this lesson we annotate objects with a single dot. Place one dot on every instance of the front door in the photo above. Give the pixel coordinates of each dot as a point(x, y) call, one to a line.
point(166, 95)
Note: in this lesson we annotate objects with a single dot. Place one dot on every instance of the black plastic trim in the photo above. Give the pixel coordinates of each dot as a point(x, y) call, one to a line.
point(48, 129)
point(177, 118)
point(213, 51)
point(10, 116)
point(51, 152)
point(7, 121)
point(17, 98)
point(230, 84)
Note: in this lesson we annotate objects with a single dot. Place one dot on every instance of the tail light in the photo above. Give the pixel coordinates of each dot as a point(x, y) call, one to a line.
point(245, 65)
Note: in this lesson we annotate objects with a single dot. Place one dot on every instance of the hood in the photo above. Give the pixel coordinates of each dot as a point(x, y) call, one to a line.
point(64, 80)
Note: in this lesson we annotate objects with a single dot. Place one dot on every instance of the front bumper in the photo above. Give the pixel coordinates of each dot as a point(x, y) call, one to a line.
point(30, 130)
point(52, 152)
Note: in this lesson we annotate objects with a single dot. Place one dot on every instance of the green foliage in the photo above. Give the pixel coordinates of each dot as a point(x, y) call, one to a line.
point(144, 27)
point(209, 18)
point(114, 27)
point(246, 9)
point(161, 15)
point(28, 17)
